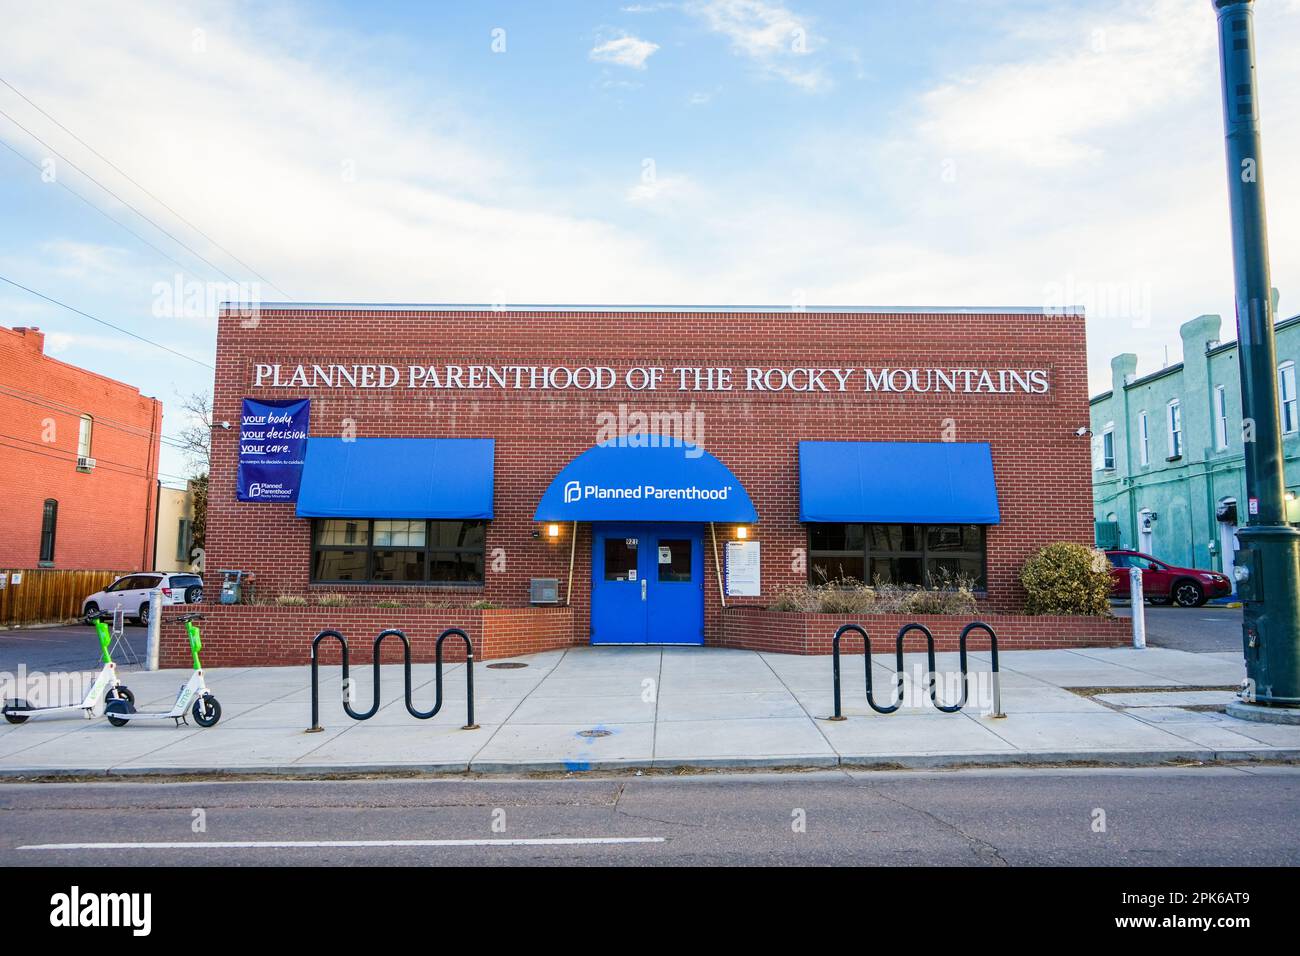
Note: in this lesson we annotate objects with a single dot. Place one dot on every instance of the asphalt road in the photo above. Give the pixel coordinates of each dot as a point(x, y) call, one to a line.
point(1154, 816)
point(57, 649)
point(1199, 630)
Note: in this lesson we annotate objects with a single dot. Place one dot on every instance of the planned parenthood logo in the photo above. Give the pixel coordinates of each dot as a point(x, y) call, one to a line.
point(575, 491)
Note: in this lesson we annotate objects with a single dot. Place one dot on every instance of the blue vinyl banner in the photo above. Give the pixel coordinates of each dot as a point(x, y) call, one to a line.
point(272, 447)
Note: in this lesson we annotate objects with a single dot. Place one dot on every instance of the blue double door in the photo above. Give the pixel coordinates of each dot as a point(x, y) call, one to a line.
point(647, 584)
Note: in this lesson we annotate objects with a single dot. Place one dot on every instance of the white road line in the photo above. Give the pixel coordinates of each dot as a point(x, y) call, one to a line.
point(312, 844)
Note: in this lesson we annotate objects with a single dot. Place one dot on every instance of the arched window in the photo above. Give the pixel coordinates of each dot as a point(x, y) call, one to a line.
point(49, 525)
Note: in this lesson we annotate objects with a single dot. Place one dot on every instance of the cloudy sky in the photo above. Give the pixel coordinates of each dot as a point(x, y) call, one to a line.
point(942, 152)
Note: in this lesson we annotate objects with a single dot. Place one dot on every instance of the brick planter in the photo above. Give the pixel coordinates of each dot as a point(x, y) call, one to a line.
point(242, 635)
point(246, 635)
point(793, 632)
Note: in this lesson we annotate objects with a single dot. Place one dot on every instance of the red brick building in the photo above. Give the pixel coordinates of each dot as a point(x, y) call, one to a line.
point(928, 398)
point(78, 463)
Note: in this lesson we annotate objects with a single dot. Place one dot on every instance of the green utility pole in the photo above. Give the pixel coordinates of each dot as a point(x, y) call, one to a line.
point(1268, 562)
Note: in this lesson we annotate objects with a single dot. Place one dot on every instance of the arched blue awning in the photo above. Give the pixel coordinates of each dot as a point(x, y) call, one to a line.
point(622, 482)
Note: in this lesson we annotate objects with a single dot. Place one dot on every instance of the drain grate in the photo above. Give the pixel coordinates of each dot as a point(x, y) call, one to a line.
point(507, 665)
point(594, 733)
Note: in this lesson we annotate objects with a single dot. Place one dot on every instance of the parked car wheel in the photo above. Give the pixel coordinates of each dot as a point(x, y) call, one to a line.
point(91, 612)
point(194, 594)
point(144, 614)
point(1188, 594)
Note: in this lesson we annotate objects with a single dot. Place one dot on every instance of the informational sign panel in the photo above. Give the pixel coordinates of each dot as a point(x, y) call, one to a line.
point(742, 569)
point(272, 447)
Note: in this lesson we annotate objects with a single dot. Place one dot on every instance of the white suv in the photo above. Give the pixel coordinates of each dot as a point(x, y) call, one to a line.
point(131, 593)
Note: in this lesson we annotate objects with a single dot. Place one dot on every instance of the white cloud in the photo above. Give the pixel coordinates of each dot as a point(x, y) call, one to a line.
point(58, 343)
point(626, 51)
point(84, 260)
point(1073, 165)
point(1061, 106)
point(662, 190)
point(320, 171)
point(770, 35)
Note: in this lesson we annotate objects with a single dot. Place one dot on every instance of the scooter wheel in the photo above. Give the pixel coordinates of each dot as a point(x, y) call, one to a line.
point(122, 692)
point(16, 718)
point(118, 705)
point(206, 711)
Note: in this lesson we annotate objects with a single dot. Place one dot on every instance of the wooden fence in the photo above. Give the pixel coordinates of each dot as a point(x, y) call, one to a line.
point(46, 595)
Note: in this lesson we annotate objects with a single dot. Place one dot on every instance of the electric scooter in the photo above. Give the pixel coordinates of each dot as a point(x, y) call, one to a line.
point(106, 685)
point(203, 706)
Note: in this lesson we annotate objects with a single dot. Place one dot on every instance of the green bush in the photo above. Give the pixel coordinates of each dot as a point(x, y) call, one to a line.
point(1065, 578)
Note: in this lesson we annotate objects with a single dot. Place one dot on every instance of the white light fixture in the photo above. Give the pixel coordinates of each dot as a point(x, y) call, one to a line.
point(742, 532)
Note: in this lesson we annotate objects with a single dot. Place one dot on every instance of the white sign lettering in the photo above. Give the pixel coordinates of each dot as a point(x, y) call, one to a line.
point(599, 378)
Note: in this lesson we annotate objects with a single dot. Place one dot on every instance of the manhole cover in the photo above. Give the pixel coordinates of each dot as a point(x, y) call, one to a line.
point(507, 665)
point(594, 733)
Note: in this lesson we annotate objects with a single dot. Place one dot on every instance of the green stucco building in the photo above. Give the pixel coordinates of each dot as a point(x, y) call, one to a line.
point(1168, 473)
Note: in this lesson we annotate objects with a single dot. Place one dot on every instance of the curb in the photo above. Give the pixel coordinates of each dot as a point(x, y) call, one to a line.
point(1124, 758)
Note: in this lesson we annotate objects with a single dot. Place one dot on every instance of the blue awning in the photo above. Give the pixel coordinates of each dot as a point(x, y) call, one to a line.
point(397, 478)
point(618, 482)
point(897, 482)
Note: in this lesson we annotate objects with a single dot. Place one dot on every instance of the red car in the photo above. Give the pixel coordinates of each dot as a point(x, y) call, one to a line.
point(1163, 583)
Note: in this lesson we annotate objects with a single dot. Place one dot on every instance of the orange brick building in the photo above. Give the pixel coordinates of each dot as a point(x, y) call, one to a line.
point(78, 463)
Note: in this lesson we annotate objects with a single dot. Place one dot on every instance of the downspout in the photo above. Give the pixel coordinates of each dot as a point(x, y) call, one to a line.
point(1208, 465)
point(573, 547)
point(157, 516)
point(151, 466)
point(1127, 480)
point(717, 563)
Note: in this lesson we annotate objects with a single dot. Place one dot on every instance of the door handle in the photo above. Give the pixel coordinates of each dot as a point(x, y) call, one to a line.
point(643, 584)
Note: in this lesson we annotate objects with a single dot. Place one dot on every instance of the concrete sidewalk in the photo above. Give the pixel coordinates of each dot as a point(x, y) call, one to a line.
point(601, 708)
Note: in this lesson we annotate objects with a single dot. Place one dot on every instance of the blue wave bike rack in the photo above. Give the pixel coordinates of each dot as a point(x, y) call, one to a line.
point(899, 672)
point(406, 657)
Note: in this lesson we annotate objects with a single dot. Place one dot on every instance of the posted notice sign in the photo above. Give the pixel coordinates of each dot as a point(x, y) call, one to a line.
point(272, 446)
point(742, 569)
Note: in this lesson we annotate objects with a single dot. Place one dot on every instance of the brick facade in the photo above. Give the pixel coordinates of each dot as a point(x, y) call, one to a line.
point(1042, 468)
point(105, 517)
point(235, 636)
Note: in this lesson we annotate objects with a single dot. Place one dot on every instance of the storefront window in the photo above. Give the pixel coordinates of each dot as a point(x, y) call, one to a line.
point(911, 554)
point(385, 551)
